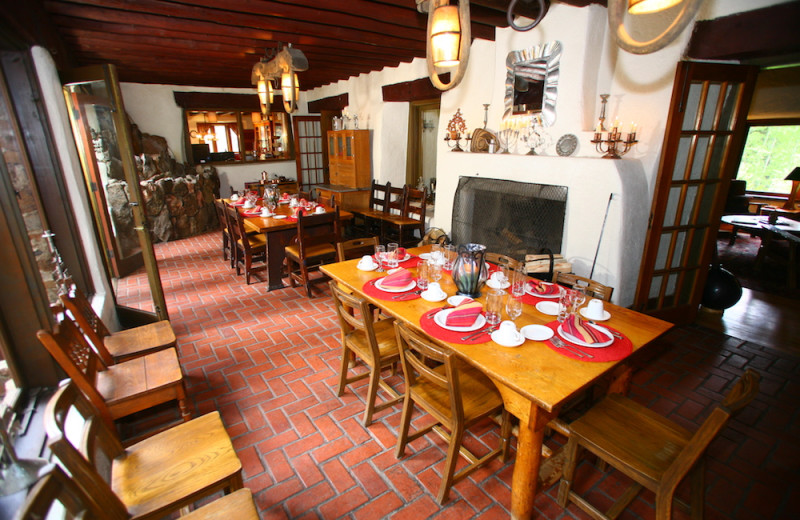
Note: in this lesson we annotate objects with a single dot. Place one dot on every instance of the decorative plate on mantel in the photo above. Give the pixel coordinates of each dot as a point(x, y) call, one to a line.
point(480, 140)
point(566, 145)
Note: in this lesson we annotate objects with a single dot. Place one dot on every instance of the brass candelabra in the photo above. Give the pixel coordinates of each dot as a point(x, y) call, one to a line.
point(614, 146)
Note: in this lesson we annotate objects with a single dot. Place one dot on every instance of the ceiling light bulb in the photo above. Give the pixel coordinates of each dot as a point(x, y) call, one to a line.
point(286, 88)
point(650, 6)
point(446, 36)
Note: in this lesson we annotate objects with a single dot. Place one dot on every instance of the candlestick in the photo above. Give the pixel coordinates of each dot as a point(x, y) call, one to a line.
point(615, 146)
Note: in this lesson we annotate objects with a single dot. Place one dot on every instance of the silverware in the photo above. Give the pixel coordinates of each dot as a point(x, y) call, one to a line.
point(434, 311)
point(479, 333)
point(555, 340)
point(613, 332)
point(406, 295)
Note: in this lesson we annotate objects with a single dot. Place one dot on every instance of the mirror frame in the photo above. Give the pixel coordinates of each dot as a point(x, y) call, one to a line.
point(542, 61)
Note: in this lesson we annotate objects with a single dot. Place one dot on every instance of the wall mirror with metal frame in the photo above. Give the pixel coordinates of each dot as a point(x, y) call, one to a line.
point(532, 81)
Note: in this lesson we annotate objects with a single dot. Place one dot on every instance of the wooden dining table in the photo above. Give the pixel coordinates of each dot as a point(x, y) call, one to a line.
point(279, 233)
point(534, 379)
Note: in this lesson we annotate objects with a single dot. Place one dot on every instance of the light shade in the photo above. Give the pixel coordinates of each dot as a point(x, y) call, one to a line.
point(255, 117)
point(650, 6)
point(286, 88)
point(211, 117)
point(794, 175)
point(265, 92)
point(445, 36)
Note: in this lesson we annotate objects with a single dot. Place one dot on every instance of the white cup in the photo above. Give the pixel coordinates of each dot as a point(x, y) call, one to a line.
point(435, 290)
point(508, 331)
point(366, 262)
point(265, 212)
point(234, 196)
point(319, 210)
point(248, 204)
point(595, 309)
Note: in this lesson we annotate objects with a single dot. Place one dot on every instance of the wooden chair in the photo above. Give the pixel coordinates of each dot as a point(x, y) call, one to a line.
point(652, 450)
point(593, 289)
point(56, 495)
point(371, 340)
point(497, 259)
point(219, 205)
point(315, 245)
point(120, 389)
point(255, 186)
point(371, 216)
point(152, 478)
point(356, 248)
point(250, 248)
point(455, 394)
point(402, 228)
point(115, 347)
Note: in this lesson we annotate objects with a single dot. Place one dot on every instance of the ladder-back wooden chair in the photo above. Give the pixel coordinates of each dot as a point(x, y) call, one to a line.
point(153, 478)
point(114, 347)
point(370, 218)
point(455, 394)
point(227, 254)
point(120, 389)
point(498, 259)
point(650, 449)
point(251, 249)
point(408, 228)
point(373, 341)
point(593, 289)
point(314, 245)
point(356, 248)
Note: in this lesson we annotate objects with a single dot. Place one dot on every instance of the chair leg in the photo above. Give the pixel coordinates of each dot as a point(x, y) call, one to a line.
point(505, 435)
point(453, 448)
point(571, 462)
point(698, 489)
point(290, 270)
point(405, 424)
point(372, 393)
point(186, 414)
point(346, 357)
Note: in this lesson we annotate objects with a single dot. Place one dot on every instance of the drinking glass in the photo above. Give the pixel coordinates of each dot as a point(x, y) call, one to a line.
point(578, 297)
point(380, 255)
point(513, 307)
point(494, 306)
point(518, 280)
point(450, 254)
point(436, 253)
point(501, 275)
point(391, 255)
point(422, 275)
point(434, 270)
point(565, 299)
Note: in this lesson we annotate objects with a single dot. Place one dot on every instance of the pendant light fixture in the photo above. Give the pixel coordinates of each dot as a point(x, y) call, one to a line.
point(265, 95)
point(449, 39)
point(283, 64)
point(290, 89)
point(616, 21)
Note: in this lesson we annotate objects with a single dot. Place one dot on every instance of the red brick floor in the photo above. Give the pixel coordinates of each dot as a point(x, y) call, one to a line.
point(269, 360)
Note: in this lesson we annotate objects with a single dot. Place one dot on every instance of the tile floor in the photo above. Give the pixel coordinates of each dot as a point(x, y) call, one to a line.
point(269, 360)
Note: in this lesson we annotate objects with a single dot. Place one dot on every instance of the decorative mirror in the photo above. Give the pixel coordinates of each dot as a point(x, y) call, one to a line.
point(532, 81)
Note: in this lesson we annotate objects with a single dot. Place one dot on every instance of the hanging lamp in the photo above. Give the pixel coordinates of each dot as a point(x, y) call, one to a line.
point(616, 21)
point(448, 40)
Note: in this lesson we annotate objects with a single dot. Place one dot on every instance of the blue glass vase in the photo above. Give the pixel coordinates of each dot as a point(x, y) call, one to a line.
point(469, 270)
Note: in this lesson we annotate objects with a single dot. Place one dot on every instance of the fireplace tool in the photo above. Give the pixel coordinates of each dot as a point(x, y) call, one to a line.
point(602, 230)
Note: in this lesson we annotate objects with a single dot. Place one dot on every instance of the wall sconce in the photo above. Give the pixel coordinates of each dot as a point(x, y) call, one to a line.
point(616, 14)
point(448, 40)
point(287, 63)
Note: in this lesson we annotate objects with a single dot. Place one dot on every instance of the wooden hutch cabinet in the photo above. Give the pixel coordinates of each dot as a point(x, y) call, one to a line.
point(349, 162)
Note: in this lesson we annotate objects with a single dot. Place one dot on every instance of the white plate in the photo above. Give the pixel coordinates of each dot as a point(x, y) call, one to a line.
point(361, 268)
point(494, 285)
point(549, 308)
point(528, 291)
point(279, 216)
point(573, 339)
point(408, 287)
point(537, 332)
point(425, 256)
point(519, 340)
point(457, 300)
point(440, 318)
point(405, 258)
point(427, 297)
point(606, 315)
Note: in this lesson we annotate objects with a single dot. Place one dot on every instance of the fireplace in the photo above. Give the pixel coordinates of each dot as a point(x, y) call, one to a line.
point(509, 217)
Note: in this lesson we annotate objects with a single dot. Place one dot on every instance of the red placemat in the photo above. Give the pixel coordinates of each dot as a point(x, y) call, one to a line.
point(370, 290)
point(451, 336)
point(620, 349)
point(411, 262)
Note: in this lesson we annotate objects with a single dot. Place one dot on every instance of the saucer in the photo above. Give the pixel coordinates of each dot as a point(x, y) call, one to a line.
point(457, 300)
point(433, 298)
point(510, 342)
point(606, 315)
point(537, 332)
point(425, 256)
point(495, 285)
point(367, 268)
point(548, 307)
point(279, 216)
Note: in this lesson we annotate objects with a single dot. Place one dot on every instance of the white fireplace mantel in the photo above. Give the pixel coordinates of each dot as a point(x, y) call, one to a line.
point(594, 185)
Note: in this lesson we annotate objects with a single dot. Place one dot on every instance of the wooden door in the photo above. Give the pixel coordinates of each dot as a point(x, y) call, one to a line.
point(702, 143)
point(310, 152)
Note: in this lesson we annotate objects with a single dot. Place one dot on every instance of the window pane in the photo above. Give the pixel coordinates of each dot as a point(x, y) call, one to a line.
point(770, 153)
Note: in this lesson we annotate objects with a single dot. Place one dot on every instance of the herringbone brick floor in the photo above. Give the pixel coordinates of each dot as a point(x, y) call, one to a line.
point(269, 362)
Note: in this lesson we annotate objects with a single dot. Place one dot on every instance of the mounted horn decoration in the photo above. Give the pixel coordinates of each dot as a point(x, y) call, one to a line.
point(448, 40)
point(616, 21)
point(286, 63)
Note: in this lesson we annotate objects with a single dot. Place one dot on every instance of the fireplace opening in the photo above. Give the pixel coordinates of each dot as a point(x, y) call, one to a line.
point(509, 217)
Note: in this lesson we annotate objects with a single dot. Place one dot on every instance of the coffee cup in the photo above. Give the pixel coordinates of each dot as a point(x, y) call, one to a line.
point(508, 331)
point(595, 309)
point(234, 197)
point(265, 212)
point(435, 291)
point(366, 262)
point(248, 204)
point(319, 210)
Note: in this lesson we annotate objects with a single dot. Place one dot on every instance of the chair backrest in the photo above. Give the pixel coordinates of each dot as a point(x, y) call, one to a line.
point(378, 194)
point(356, 248)
point(85, 446)
point(219, 205)
point(81, 363)
point(314, 230)
point(415, 203)
point(254, 186)
point(355, 317)
point(238, 231)
point(498, 259)
point(593, 289)
point(416, 354)
point(56, 495)
point(395, 200)
point(79, 308)
point(742, 392)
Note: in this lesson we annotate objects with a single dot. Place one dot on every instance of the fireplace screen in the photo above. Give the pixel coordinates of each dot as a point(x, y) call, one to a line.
point(512, 218)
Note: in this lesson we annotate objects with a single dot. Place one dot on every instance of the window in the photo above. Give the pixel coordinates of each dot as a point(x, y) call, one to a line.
point(770, 153)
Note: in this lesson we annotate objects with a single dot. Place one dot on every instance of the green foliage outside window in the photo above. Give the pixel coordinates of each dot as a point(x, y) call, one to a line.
point(770, 153)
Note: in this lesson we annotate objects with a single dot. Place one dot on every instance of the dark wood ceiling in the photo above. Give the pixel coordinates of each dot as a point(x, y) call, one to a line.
point(215, 43)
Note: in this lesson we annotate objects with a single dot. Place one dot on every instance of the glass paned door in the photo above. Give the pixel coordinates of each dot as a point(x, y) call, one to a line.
point(310, 155)
point(102, 135)
point(704, 135)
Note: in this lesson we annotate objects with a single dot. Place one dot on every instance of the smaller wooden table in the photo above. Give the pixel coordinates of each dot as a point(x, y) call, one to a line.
point(757, 225)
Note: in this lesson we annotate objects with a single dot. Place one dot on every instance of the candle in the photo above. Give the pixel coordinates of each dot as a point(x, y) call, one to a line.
point(599, 127)
point(616, 124)
point(633, 127)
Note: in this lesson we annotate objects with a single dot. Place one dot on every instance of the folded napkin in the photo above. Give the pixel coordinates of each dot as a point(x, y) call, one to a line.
point(574, 326)
point(464, 315)
point(239, 202)
point(397, 278)
point(537, 287)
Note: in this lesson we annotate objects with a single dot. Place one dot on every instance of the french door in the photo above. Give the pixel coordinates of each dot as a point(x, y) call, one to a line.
point(311, 167)
point(702, 145)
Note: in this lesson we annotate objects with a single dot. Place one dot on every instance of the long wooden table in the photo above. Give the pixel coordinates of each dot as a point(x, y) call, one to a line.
point(279, 233)
point(534, 380)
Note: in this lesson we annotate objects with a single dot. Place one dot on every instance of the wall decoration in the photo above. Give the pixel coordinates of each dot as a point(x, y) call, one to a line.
point(567, 145)
point(532, 81)
point(482, 141)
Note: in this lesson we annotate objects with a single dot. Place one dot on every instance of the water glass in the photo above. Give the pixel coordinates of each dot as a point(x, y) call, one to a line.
point(494, 306)
point(422, 275)
point(513, 307)
point(450, 254)
point(434, 270)
point(579, 296)
point(391, 255)
point(565, 301)
point(380, 254)
point(518, 280)
point(436, 253)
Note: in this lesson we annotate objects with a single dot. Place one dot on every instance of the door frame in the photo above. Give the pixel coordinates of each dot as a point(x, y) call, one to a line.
point(414, 155)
